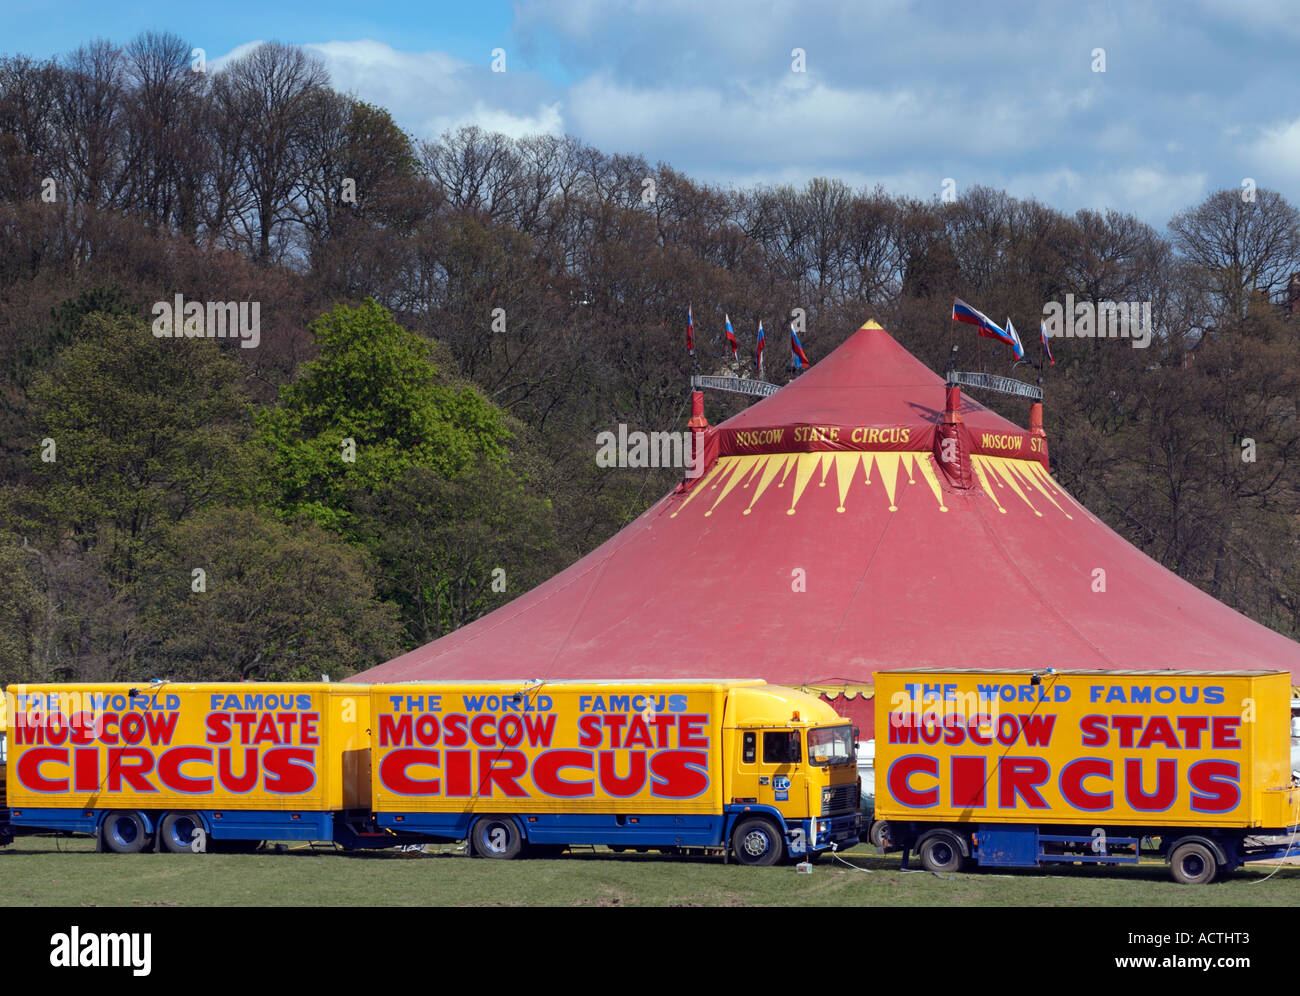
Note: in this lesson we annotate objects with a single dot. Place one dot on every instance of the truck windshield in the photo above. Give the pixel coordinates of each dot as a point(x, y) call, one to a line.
point(831, 745)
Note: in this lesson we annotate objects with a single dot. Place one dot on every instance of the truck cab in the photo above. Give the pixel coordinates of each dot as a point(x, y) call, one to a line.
point(793, 778)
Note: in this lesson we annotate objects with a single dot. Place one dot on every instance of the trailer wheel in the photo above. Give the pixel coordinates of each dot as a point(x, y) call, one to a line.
point(1193, 863)
point(940, 852)
point(496, 837)
point(123, 832)
point(757, 842)
point(183, 833)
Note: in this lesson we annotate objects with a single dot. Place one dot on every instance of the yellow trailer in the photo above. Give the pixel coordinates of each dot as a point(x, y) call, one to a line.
point(1017, 767)
point(188, 763)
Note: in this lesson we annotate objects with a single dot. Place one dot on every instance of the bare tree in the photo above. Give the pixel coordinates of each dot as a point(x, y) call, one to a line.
point(1242, 247)
point(274, 89)
point(165, 156)
point(30, 138)
point(91, 111)
point(479, 171)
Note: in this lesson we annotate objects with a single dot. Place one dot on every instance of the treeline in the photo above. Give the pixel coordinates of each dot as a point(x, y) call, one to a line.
point(469, 311)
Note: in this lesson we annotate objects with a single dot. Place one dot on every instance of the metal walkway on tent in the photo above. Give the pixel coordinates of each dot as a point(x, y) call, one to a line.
point(995, 382)
point(737, 385)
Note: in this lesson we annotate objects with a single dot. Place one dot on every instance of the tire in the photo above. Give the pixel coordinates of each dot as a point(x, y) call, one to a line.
point(1193, 863)
point(757, 842)
point(878, 834)
point(123, 832)
point(940, 852)
point(179, 832)
point(496, 837)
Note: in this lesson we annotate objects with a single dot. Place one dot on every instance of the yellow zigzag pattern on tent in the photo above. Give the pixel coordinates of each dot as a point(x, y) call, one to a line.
point(788, 476)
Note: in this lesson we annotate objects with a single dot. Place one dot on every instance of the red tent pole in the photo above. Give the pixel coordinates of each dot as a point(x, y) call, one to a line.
point(697, 423)
point(1036, 419)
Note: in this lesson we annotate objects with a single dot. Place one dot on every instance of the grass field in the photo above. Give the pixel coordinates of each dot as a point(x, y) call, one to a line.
point(48, 871)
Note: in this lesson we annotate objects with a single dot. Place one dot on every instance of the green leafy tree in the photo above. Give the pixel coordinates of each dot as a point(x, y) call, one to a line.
point(371, 406)
point(64, 327)
point(277, 602)
point(453, 549)
point(135, 433)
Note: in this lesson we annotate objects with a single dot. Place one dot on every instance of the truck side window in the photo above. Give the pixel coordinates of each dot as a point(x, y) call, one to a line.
point(781, 747)
point(749, 749)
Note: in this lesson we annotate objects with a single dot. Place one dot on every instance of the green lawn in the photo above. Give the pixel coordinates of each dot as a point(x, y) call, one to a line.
point(66, 872)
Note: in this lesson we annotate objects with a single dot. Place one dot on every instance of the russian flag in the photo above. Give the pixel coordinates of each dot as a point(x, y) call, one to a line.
point(1017, 346)
point(760, 349)
point(731, 336)
point(797, 349)
point(989, 329)
point(1042, 334)
point(690, 331)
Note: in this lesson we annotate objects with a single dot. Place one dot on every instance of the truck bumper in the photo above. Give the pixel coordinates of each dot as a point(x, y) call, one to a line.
point(823, 833)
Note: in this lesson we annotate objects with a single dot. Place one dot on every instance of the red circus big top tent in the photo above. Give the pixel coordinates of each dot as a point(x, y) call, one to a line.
point(859, 519)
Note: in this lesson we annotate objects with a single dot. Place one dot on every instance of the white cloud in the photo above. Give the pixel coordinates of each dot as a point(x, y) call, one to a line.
point(1277, 151)
point(794, 119)
point(1151, 192)
point(238, 52)
point(430, 92)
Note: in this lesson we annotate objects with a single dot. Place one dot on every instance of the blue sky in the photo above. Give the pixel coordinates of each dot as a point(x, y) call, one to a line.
point(1195, 96)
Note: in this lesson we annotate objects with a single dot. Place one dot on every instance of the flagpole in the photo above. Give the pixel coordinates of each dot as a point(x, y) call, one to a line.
point(695, 360)
point(952, 327)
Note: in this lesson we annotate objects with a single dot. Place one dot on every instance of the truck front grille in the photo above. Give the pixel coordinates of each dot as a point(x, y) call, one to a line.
point(843, 798)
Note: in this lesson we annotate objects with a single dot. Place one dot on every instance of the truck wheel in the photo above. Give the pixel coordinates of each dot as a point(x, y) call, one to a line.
point(879, 833)
point(496, 837)
point(123, 833)
point(180, 832)
point(1193, 863)
point(940, 852)
point(757, 842)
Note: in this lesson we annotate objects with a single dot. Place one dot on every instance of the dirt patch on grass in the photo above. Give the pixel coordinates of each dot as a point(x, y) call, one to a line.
point(714, 899)
point(608, 897)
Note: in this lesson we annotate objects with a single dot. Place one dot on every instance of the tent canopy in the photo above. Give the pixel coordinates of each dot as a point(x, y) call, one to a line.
point(828, 538)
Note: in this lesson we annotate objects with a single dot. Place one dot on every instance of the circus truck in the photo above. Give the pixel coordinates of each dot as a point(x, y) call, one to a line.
point(761, 771)
point(513, 768)
point(1009, 769)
